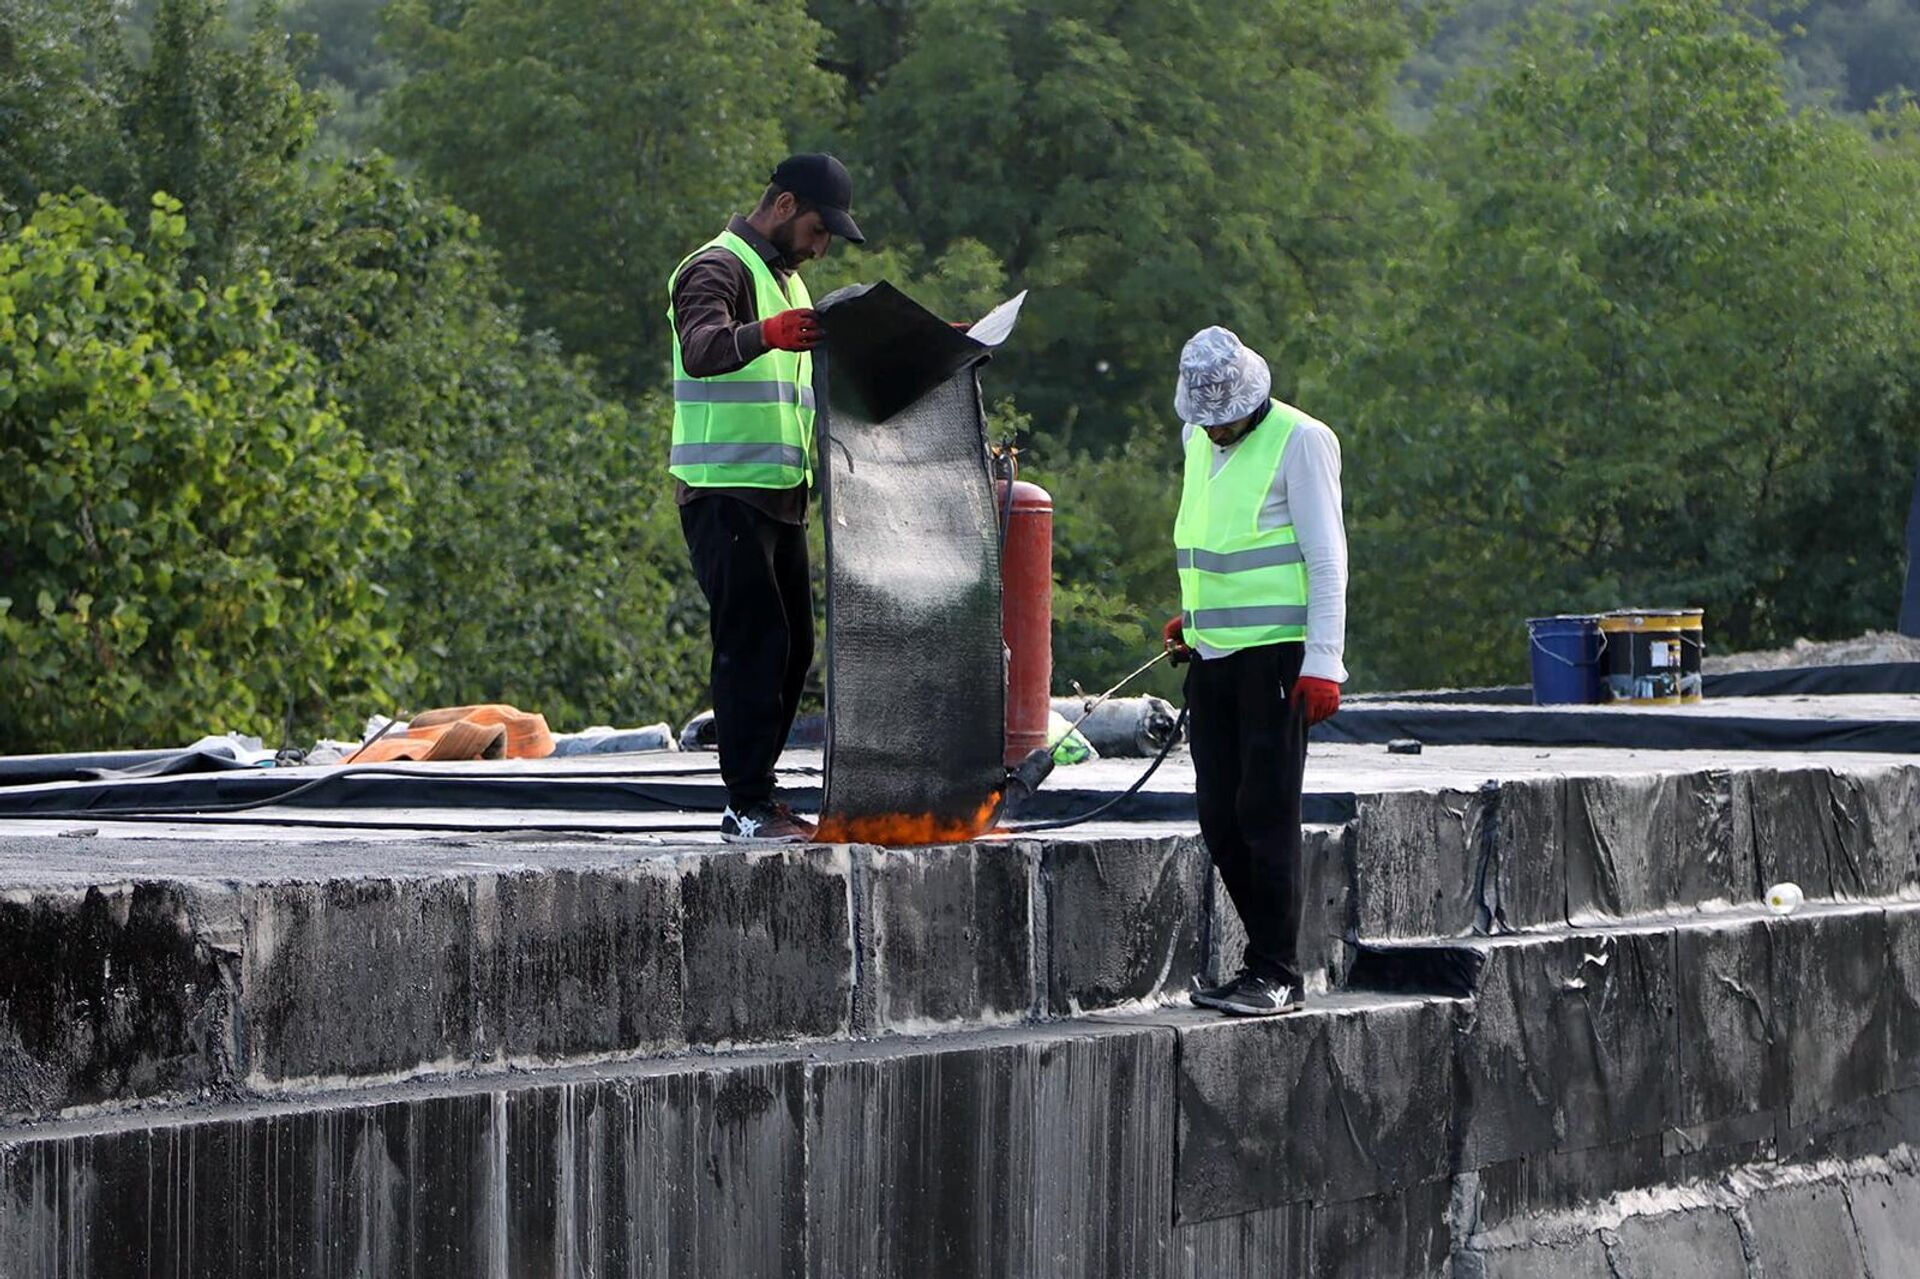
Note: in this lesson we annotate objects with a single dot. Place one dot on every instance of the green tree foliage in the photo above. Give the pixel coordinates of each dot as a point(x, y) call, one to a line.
point(542, 565)
point(220, 124)
point(1662, 322)
point(62, 85)
point(191, 527)
point(530, 553)
point(1628, 318)
point(1855, 51)
point(211, 116)
point(1849, 53)
point(346, 66)
point(1145, 169)
point(601, 143)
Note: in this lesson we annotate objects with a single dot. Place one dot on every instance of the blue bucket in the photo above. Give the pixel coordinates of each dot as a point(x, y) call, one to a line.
point(1566, 659)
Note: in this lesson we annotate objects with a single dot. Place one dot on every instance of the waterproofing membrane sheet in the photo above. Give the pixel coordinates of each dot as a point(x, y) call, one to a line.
point(379, 793)
point(915, 665)
point(1786, 681)
point(32, 770)
point(1637, 729)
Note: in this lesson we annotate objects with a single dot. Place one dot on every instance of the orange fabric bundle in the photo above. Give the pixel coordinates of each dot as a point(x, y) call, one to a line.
point(490, 731)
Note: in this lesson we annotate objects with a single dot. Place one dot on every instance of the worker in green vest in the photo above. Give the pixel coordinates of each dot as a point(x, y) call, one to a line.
point(743, 462)
point(1261, 550)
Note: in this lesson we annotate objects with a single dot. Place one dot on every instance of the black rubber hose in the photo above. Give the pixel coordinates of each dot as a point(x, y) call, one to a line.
point(1004, 463)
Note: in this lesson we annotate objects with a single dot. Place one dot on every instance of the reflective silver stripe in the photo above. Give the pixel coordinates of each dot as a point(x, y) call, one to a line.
point(738, 455)
point(1217, 619)
point(1240, 561)
point(693, 391)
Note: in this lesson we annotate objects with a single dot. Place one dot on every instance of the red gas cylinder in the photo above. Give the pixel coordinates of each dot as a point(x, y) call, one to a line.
point(1026, 614)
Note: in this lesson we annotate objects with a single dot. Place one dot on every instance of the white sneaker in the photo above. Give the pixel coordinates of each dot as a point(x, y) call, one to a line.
point(764, 823)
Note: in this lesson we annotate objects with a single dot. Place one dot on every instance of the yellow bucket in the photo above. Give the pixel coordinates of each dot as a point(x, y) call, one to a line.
point(1644, 654)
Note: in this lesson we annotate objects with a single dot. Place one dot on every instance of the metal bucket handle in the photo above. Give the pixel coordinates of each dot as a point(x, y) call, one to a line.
point(1568, 661)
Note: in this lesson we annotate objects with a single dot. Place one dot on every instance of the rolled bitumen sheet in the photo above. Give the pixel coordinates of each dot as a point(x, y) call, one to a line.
point(915, 663)
point(1800, 681)
point(32, 770)
point(381, 794)
point(1636, 728)
point(1787, 681)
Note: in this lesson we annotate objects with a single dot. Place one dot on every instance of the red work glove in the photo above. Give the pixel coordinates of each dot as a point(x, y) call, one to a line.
point(1174, 633)
point(795, 330)
point(1319, 698)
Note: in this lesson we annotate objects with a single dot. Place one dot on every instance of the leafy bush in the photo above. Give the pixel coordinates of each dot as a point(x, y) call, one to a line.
point(191, 528)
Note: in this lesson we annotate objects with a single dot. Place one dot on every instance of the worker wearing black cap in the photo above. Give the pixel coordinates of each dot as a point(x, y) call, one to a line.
point(743, 461)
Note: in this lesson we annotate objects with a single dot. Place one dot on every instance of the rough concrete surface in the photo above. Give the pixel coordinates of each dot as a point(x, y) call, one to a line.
point(1701, 1244)
point(110, 991)
point(202, 1045)
point(1036, 1152)
point(691, 1172)
point(1275, 1243)
point(1567, 1044)
point(1764, 1221)
point(1551, 1181)
point(945, 935)
point(1409, 1232)
point(767, 949)
point(1122, 920)
point(1804, 1230)
point(1346, 1101)
point(1044, 1156)
point(1886, 1216)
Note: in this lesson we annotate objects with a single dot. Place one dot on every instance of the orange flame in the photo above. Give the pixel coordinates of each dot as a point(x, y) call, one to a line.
point(900, 830)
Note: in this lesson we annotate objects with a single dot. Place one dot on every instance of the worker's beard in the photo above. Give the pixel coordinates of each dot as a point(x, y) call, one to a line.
point(781, 238)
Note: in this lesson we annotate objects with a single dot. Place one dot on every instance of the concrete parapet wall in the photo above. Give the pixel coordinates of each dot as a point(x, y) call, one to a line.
point(143, 988)
point(187, 989)
point(1542, 851)
point(1040, 1151)
point(1709, 1031)
point(1092, 1149)
point(1839, 1218)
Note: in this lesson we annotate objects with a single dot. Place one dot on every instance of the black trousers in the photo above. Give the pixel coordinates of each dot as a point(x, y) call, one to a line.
point(1249, 758)
point(753, 571)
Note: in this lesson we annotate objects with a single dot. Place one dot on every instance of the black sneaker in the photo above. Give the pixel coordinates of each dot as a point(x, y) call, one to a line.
point(1209, 995)
point(764, 823)
point(1251, 995)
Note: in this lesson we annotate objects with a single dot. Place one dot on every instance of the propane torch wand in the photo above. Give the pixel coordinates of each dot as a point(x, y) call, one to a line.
point(1024, 778)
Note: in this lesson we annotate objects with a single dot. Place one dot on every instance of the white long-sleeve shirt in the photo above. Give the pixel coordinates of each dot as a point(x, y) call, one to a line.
point(1306, 494)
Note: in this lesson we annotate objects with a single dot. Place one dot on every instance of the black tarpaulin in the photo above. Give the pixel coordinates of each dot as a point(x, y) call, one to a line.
point(915, 668)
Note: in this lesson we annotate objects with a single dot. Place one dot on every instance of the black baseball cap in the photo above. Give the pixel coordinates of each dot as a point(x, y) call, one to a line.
point(823, 181)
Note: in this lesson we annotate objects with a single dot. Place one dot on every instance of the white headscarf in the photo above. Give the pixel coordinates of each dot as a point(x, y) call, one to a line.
point(1221, 379)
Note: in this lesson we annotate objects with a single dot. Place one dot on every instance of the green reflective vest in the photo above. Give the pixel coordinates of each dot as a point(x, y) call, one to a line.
point(1241, 585)
point(752, 428)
